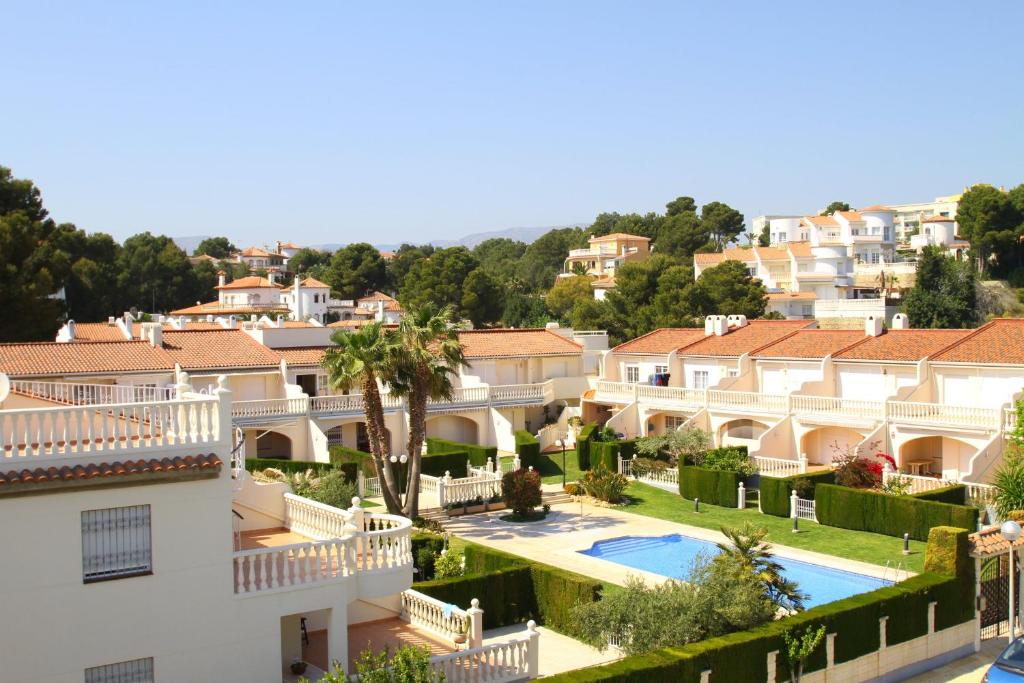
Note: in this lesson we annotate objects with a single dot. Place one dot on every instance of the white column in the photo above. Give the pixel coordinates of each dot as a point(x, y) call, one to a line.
point(532, 653)
point(741, 497)
point(792, 504)
point(337, 635)
point(931, 618)
point(476, 624)
point(803, 463)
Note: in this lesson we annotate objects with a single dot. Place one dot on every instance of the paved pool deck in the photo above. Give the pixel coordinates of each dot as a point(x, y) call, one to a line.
point(570, 528)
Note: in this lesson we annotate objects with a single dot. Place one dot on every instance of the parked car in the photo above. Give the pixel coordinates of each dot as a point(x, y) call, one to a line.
point(1009, 665)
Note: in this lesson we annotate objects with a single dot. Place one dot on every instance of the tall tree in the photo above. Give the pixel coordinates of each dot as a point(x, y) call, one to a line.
point(764, 238)
point(356, 270)
point(360, 359)
point(723, 223)
point(991, 222)
point(499, 257)
point(681, 205)
point(943, 295)
point(544, 258)
point(217, 247)
point(567, 291)
point(155, 275)
point(438, 278)
point(482, 298)
point(728, 288)
point(833, 207)
point(401, 263)
point(307, 261)
point(682, 235)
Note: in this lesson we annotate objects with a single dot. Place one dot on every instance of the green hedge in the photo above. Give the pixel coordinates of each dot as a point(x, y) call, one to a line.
point(955, 494)
point(477, 454)
point(436, 464)
point(583, 441)
point(528, 449)
point(715, 487)
point(881, 513)
point(742, 656)
point(548, 598)
point(606, 453)
point(775, 491)
point(287, 466)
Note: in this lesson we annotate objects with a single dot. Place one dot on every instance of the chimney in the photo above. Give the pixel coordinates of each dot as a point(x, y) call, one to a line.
point(153, 333)
point(900, 321)
point(721, 326)
point(209, 317)
point(111, 321)
point(297, 310)
point(221, 278)
point(71, 330)
point(278, 247)
point(873, 326)
point(709, 326)
point(737, 320)
point(231, 322)
point(280, 320)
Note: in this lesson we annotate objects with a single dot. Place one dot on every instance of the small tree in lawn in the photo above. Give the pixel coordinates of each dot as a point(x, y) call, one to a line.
point(799, 647)
point(521, 491)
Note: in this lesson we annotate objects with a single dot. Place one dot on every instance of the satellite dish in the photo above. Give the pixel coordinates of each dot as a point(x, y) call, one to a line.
point(5, 387)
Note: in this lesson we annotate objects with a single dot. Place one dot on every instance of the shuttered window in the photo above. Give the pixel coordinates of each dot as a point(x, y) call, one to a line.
point(116, 543)
point(135, 671)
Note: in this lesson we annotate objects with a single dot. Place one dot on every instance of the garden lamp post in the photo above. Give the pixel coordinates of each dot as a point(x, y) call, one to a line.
point(403, 458)
point(1010, 531)
point(561, 444)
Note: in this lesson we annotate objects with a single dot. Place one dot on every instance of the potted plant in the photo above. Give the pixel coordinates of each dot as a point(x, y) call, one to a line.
point(477, 506)
point(298, 666)
point(495, 502)
point(454, 509)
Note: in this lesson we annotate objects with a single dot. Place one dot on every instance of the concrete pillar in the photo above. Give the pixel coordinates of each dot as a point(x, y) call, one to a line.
point(741, 497)
point(931, 617)
point(291, 641)
point(475, 637)
point(830, 651)
point(773, 666)
point(337, 635)
point(533, 654)
point(882, 636)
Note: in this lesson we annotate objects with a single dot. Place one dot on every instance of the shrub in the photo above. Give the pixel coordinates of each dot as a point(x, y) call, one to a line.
point(604, 453)
point(642, 466)
point(436, 464)
point(334, 489)
point(425, 547)
point(1009, 480)
point(475, 454)
point(583, 440)
point(890, 515)
point(573, 489)
point(345, 457)
point(604, 484)
point(804, 488)
point(448, 564)
point(711, 486)
point(896, 485)
point(409, 664)
point(528, 449)
point(730, 459)
point(775, 491)
point(687, 443)
point(955, 494)
point(287, 466)
point(521, 490)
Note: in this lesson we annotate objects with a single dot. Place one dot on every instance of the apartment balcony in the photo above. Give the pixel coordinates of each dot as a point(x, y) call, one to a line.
point(686, 398)
point(942, 415)
point(319, 545)
point(833, 410)
point(593, 252)
point(861, 238)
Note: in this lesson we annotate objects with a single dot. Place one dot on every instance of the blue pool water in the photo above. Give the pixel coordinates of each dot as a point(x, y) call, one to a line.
point(673, 555)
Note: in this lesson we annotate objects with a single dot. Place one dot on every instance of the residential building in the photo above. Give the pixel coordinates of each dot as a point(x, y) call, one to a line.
point(606, 253)
point(941, 402)
point(939, 231)
point(908, 218)
point(259, 258)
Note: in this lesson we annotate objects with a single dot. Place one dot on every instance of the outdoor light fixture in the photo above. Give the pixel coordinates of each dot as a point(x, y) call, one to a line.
point(1010, 531)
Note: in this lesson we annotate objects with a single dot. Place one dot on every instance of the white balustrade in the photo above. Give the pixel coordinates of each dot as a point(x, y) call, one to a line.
point(462, 395)
point(677, 395)
point(38, 434)
point(940, 413)
point(342, 403)
point(778, 467)
point(616, 391)
point(270, 407)
point(976, 492)
point(838, 406)
point(71, 393)
point(315, 519)
point(748, 400)
point(385, 542)
point(516, 659)
point(469, 489)
point(434, 615)
point(299, 564)
point(520, 393)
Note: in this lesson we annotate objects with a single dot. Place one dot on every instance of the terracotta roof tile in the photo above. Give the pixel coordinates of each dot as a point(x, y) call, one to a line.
point(302, 355)
point(752, 336)
point(1000, 342)
point(218, 349)
point(876, 207)
point(772, 253)
point(105, 470)
point(664, 340)
point(800, 249)
point(250, 282)
point(41, 359)
point(938, 219)
point(851, 215)
point(509, 343)
point(87, 332)
point(902, 345)
point(708, 259)
point(823, 221)
point(308, 282)
point(257, 251)
point(811, 344)
point(217, 308)
point(989, 542)
point(618, 236)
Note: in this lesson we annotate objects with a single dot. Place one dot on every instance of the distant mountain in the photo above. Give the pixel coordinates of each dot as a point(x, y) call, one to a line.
point(189, 244)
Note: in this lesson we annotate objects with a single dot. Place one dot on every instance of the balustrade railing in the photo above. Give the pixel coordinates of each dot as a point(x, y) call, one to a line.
point(683, 395)
point(462, 395)
point(385, 542)
point(940, 413)
point(519, 393)
point(270, 407)
point(838, 406)
point(516, 659)
point(91, 394)
point(748, 400)
point(469, 488)
point(616, 391)
point(316, 520)
point(977, 493)
point(778, 467)
point(342, 403)
point(35, 434)
point(436, 616)
point(1009, 419)
point(299, 564)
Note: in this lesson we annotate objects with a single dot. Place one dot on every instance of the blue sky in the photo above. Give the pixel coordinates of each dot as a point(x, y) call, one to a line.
point(336, 122)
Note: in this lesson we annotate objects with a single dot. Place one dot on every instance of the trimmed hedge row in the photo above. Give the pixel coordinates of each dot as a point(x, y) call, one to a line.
point(716, 487)
point(775, 491)
point(528, 449)
point(583, 445)
point(477, 454)
point(608, 452)
point(881, 513)
point(287, 466)
point(547, 595)
point(743, 656)
point(955, 494)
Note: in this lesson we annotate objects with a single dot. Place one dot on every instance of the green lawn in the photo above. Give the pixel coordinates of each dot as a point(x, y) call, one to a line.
point(551, 467)
point(854, 545)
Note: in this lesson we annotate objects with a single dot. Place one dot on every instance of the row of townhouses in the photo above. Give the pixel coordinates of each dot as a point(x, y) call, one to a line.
point(123, 484)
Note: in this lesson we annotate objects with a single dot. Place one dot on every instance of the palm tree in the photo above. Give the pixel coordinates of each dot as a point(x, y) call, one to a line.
point(428, 354)
point(748, 545)
point(579, 268)
point(358, 360)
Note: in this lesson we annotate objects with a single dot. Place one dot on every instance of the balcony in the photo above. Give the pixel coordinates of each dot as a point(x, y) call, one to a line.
point(67, 393)
point(319, 544)
point(748, 401)
point(829, 407)
point(945, 415)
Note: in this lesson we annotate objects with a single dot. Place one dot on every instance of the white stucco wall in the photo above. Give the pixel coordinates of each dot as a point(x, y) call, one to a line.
point(872, 382)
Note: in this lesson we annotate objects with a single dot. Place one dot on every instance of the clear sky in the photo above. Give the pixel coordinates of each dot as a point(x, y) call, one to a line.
point(388, 122)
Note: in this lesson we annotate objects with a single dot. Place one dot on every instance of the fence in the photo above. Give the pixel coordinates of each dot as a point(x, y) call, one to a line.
point(516, 659)
point(91, 394)
point(447, 621)
point(801, 509)
point(779, 467)
point(667, 478)
point(980, 494)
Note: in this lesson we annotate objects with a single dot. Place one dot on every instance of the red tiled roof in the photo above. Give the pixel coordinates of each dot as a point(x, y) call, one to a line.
point(217, 308)
point(257, 252)
point(308, 282)
point(116, 469)
point(800, 249)
point(810, 344)
point(851, 215)
point(250, 282)
point(40, 359)
point(509, 343)
point(203, 349)
point(902, 345)
point(989, 542)
point(824, 221)
point(752, 336)
point(664, 340)
point(302, 355)
point(88, 332)
point(938, 219)
point(1000, 342)
point(618, 236)
point(709, 258)
point(876, 207)
point(771, 253)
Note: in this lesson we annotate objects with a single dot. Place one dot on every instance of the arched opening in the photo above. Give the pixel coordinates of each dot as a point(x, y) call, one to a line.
point(354, 435)
point(822, 445)
point(660, 423)
point(453, 428)
point(931, 455)
point(273, 445)
point(741, 432)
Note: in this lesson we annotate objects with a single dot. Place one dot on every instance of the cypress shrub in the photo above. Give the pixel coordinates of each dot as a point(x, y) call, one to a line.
point(955, 494)
point(528, 449)
point(436, 464)
point(477, 454)
point(775, 491)
point(881, 513)
point(716, 487)
point(605, 452)
point(506, 595)
point(583, 441)
point(341, 454)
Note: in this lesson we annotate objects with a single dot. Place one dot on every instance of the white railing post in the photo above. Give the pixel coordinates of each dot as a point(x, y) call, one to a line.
point(803, 463)
point(358, 521)
point(532, 653)
point(741, 497)
point(517, 463)
point(222, 429)
point(793, 498)
point(475, 637)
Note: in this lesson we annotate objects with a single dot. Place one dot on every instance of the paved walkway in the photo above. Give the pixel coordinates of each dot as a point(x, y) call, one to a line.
point(572, 527)
point(969, 669)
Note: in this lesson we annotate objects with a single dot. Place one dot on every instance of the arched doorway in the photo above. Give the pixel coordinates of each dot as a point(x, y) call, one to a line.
point(931, 455)
point(273, 445)
point(741, 432)
point(453, 428)
point(823, 444)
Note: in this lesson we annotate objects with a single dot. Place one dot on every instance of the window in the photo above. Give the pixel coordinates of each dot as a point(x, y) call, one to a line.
point(660, 369)
point(673, 422)
point(633, 374)
point(322, 385)
point(135, 671)
point(808, 310)
point(116, 543)
point(700, 379)
point(752, 271)
point(732, 372)
point(782, 238)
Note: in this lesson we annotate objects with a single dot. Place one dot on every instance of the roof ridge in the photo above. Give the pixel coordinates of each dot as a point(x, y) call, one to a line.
point(775, 341)
point(973, 333)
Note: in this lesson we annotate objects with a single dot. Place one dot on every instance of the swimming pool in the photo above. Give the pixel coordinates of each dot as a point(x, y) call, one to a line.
point(673, 555)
